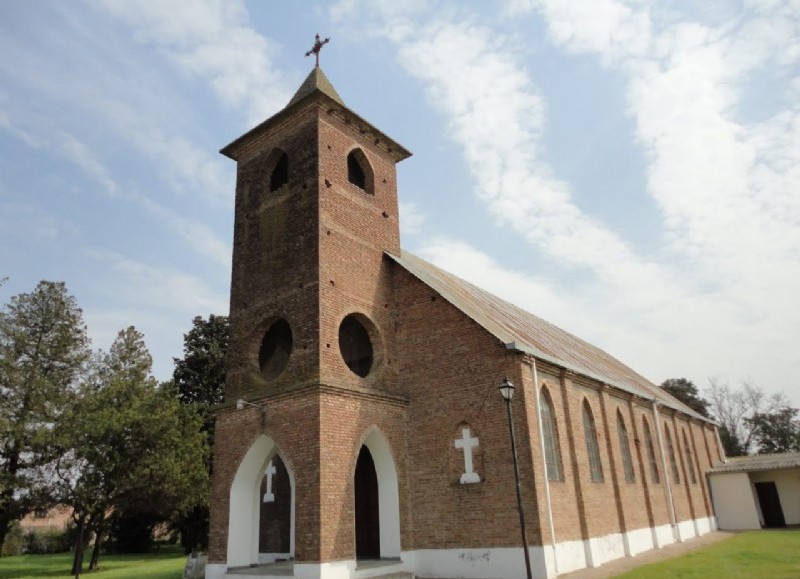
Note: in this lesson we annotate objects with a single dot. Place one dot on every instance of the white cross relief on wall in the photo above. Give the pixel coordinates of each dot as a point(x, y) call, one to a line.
point(467, 443)
point(269, 496)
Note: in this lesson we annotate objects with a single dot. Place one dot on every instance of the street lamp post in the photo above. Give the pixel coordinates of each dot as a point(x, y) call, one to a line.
point(507, 390)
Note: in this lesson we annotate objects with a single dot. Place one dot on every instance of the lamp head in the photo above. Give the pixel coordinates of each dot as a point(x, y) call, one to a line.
point(507, 389)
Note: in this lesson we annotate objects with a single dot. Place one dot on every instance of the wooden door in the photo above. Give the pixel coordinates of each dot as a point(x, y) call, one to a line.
point(368, 540)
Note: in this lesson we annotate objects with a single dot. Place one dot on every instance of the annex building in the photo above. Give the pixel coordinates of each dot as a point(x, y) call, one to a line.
point(363, 434)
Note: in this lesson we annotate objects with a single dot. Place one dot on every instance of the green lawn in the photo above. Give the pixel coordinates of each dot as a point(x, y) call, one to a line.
point(753, 554)
point(166, 563)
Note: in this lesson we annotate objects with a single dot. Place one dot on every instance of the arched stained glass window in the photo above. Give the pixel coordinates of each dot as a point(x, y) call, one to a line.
point(550, 433)
point(625, 449)
point(592, 449)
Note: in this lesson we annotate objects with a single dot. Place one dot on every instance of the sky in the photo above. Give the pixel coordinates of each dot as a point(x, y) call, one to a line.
point(628, 171)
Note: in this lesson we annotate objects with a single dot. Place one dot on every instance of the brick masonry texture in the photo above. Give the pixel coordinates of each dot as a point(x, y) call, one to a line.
point(313, 252)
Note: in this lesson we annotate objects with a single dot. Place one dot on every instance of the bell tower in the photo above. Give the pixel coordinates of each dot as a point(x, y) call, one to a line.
point(316, 207)
point(312, 328)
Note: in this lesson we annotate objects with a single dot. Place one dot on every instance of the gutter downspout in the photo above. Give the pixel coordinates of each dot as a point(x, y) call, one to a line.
point(544, 458)
point(720, 448)
point(667, 485)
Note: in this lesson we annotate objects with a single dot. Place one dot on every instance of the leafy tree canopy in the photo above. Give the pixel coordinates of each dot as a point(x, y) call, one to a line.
point(43, 349)
point(128, 445)
point(685, 391)
point(200, 375)
point(199, 378)
point(776, 431)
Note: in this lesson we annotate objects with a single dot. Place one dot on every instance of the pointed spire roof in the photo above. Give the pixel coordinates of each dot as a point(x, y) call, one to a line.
point(316, 83)
point(316, 80)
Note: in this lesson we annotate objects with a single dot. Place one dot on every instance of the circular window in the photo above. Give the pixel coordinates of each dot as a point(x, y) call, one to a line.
point(276, 347)
point(355, 345)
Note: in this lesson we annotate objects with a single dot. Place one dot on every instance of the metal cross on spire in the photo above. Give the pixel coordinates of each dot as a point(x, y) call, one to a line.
point(318, 44)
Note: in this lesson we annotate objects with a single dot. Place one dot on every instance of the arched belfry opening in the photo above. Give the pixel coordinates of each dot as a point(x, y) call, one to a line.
point(359, 171)
point(367, 507)
point(280, 172)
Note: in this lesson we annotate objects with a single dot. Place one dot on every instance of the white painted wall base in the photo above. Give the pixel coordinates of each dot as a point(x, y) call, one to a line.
point(502, 563)
point(604, 549)
point(686, 530)
point(329, 570)
point(571, 556)
point(477, 563)
point(216, 570)
point(639, 541)
point(574, 555)
point(664, 536)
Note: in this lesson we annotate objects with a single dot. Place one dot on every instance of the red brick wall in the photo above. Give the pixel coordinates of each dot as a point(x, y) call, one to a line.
point(452, 369)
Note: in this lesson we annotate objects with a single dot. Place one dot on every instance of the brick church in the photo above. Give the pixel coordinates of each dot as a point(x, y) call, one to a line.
point(363, 433)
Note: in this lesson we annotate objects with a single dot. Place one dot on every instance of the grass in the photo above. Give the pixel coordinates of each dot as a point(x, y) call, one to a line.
point(166, 563)
point(773, 554)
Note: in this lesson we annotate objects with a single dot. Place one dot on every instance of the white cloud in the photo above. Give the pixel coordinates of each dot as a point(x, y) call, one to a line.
point(158, 288)
point(478, 268)
point(472, 74)
point(412, 218)
point(719, 291)
point(159, 302)
point(212, 40)
point(26, 222)
point(612, 29)
point(198, 236)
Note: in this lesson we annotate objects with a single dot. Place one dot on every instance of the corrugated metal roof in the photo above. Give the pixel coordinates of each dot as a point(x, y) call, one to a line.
point(523, 331)
point(759, 462)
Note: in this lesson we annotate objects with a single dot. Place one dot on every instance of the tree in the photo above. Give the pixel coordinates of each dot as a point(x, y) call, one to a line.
point(776, 431)
point(685, 391)
point(200, 375)
point(734, 410)
point(200, 381)
point(43, 349)
point(128, 445)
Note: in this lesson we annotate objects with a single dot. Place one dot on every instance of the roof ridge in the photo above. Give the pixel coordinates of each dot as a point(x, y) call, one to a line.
point(520, 329)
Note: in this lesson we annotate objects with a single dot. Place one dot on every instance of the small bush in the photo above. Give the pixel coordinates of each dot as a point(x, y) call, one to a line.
point(45, 541)
point(13, 541)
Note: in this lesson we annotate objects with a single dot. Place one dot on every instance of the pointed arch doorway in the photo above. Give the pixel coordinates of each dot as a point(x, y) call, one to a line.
point(367, 507)
point(244, 517)
point(377, 501)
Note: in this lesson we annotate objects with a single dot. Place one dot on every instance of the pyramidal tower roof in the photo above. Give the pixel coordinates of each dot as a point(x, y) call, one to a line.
point(316, 83)
point(316, 80)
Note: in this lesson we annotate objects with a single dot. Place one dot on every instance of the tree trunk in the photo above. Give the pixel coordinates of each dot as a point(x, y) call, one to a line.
point(99, 537)
point(77, 561)
point(8, 506)
point(5, 523)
